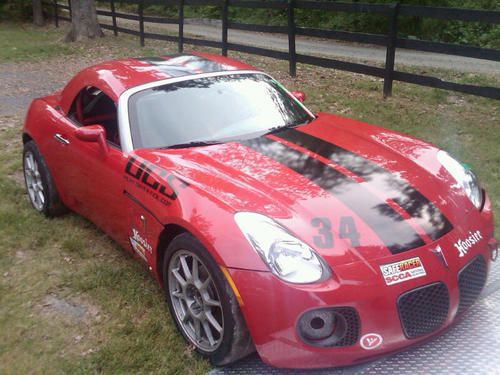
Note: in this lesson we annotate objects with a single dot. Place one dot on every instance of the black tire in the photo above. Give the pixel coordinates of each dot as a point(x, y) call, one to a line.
point(234, 342)
point(50, 205)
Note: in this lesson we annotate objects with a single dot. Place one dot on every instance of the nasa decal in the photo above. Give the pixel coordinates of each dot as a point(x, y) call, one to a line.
point(403, 270)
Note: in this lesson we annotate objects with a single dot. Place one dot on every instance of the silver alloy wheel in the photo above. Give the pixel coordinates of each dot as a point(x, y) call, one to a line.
point(33, 180)
point(195, 301)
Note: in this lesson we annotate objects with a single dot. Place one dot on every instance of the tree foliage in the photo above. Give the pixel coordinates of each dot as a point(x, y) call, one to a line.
point(16, 10)
point(479, 34)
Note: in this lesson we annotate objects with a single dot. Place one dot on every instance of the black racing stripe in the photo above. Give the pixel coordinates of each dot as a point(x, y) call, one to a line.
point(150, 60)
point(182, 65)
point(390, 227)
point(425, 213)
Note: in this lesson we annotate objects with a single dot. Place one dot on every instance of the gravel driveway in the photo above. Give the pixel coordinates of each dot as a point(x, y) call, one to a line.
point(321, 47)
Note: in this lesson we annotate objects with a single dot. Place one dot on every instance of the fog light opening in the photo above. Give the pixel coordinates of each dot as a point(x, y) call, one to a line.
point(323, 327)
point(317, 323)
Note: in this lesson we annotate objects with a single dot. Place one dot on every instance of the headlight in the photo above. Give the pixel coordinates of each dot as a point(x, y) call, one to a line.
point(465, 178)
point(286, 256)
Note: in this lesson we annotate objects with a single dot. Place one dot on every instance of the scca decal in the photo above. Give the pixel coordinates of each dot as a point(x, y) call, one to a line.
point(158, 190)
point(403, 270)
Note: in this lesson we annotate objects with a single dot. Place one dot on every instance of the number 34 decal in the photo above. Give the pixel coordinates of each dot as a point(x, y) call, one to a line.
point(324, 239)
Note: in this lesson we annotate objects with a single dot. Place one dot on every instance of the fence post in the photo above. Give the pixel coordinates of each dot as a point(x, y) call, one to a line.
point(181, 26)
point(292, 55)
point(225, 5)
point(56, 14)
point(141, 22)
point(113, 17)
point(70, 11)
point(391, 49)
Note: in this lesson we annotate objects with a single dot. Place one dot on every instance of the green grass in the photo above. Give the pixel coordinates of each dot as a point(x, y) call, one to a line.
point(25, 42)
point(22, 42)
point(52, 270)
point(125, 327)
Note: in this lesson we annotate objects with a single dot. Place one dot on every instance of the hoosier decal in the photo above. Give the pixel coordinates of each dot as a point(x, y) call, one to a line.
point(403, 270)
point(463, 246)
point(140, 244)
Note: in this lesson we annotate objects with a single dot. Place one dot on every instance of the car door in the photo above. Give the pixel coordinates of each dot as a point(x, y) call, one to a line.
point(91, 175)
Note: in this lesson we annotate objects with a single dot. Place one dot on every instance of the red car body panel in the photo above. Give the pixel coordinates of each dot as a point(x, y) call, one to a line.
point(138, 194)
point(279, 307)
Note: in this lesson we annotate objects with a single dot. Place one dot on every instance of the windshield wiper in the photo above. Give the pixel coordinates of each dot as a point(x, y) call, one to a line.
point(191, 144)
point(277, 129)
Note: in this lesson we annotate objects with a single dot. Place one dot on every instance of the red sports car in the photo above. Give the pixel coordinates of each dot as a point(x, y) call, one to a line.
point(315, 239)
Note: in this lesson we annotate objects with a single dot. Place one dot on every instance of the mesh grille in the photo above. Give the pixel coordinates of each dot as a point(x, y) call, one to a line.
point(424, 309)
point(352, 320)
point(471, 280)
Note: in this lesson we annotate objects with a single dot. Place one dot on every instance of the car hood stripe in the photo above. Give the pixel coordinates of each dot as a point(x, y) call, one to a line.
point(396, 234)
point(182, 65)
point(424, 212)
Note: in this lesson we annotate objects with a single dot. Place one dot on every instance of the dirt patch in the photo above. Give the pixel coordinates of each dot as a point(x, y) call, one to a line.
point(22, 255)
point(18, 178)
point(70, 310)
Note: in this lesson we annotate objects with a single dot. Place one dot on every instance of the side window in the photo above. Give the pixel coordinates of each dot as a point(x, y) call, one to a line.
point(92, 107)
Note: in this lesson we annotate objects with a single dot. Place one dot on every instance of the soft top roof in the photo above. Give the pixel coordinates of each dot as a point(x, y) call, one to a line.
point(114, 77)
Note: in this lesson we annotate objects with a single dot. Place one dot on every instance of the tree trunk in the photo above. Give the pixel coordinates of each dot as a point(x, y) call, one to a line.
point(38, 13)
point(83, 21)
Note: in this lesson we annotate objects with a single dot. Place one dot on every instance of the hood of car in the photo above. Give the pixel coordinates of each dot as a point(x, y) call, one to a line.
point(346, 188)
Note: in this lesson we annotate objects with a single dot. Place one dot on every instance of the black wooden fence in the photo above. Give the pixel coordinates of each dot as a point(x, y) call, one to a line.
point(391, 41)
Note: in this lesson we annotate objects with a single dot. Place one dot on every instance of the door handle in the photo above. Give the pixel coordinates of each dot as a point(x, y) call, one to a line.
point(59, 138)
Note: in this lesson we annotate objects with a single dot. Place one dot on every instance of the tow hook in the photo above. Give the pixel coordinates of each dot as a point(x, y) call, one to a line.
point(493, 245)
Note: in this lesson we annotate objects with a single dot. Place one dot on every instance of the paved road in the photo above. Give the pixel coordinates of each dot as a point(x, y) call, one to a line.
point(326, 48)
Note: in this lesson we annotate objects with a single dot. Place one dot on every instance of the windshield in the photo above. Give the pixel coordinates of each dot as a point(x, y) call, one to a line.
point(211, 110)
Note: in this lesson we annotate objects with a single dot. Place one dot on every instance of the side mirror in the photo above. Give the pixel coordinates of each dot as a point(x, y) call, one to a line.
point(93, 133)
point(300, 95)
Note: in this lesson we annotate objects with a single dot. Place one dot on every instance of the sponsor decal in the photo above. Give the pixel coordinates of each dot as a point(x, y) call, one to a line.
point(164, 191)
point(140, 245)
point(463, 246)
point(403, 270)
point(371, 341)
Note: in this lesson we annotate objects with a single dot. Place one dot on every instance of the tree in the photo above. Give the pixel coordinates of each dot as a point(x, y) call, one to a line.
point(84, 22)
point(38, 18)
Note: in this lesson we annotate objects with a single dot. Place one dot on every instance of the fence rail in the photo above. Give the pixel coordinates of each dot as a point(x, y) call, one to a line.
point(390, 41)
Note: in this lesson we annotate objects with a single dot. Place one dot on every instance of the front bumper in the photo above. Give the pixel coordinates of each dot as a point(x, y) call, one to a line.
point(273, 308)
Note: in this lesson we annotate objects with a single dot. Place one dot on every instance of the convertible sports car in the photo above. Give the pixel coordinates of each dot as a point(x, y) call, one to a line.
point(317, 240)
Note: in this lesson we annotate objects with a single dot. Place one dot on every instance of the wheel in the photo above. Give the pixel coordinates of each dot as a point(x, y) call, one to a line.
point(202, 303)
point(41, 190)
